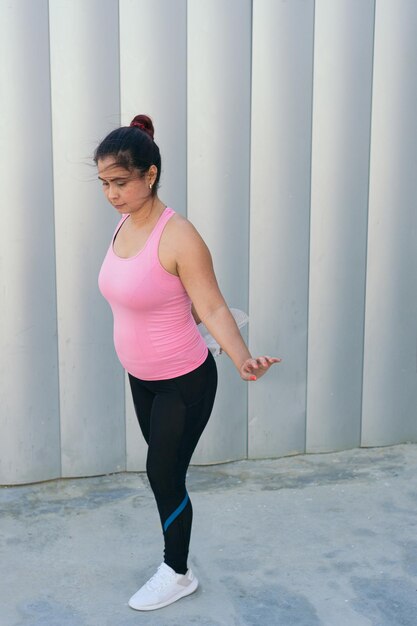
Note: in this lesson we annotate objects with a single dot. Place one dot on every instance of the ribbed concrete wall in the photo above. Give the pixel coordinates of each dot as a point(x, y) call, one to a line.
point(288, 136)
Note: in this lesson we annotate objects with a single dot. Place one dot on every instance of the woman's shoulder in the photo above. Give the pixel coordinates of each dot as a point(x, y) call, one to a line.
point(180, 234)
point(180, 226)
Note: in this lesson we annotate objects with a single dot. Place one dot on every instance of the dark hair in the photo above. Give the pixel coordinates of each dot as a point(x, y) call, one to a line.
point(132, 147)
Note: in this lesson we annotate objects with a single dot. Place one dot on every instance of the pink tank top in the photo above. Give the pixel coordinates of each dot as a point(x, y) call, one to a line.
point(155, 335)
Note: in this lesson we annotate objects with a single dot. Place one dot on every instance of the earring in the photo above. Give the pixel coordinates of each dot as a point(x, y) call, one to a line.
point(150, 185)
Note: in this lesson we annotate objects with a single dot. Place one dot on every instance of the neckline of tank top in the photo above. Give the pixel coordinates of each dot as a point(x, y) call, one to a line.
point(151, 234)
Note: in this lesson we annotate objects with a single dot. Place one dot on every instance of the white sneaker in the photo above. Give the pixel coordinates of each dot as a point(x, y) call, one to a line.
point(165, 587)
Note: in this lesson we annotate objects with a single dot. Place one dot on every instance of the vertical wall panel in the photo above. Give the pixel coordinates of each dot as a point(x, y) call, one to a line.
point(153, 66)
point(29, 442)
point(153, 75)
point(280, 198)
point(339, 207)
point(219, 57)
point(390, 372)
point(85, 106)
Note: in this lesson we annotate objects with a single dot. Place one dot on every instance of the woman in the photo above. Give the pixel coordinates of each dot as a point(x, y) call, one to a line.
point(159, 281)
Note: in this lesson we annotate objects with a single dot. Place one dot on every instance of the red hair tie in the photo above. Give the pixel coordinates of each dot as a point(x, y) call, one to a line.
point(138, 125)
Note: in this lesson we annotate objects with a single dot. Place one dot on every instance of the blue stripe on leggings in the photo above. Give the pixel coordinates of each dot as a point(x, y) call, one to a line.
point(175, 514)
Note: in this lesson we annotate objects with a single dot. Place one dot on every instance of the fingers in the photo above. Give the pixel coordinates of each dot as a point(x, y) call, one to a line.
point(263, 361)
point(272, 359)
point(252, 369)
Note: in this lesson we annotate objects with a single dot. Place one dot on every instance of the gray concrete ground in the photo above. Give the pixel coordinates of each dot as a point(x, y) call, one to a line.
point(313, 540)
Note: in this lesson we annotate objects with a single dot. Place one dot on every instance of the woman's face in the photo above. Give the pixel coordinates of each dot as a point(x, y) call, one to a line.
point(128, 191)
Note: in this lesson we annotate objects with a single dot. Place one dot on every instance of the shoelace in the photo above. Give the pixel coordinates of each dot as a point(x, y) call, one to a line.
point(160, 579)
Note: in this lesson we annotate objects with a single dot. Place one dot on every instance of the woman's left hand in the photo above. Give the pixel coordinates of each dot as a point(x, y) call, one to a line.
point(252, 369)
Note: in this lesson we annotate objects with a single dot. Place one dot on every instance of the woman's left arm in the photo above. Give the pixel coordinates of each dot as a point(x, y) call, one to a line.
point(195, 269)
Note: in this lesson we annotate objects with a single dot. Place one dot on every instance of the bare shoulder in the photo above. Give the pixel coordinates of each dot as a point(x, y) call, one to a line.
point(182, 246)
point(181, 226)
point(181, 234)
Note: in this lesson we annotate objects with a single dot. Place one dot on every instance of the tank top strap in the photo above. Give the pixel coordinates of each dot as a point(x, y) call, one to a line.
point(118, 227)
point(155, 236)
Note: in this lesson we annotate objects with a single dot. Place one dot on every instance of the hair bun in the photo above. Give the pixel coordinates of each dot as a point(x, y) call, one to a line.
point(143, 122)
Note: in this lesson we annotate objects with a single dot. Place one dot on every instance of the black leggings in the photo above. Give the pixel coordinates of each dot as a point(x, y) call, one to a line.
point(172, 414)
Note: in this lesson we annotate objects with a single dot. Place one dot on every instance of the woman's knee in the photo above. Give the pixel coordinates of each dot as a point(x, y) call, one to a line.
point(162, 480)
